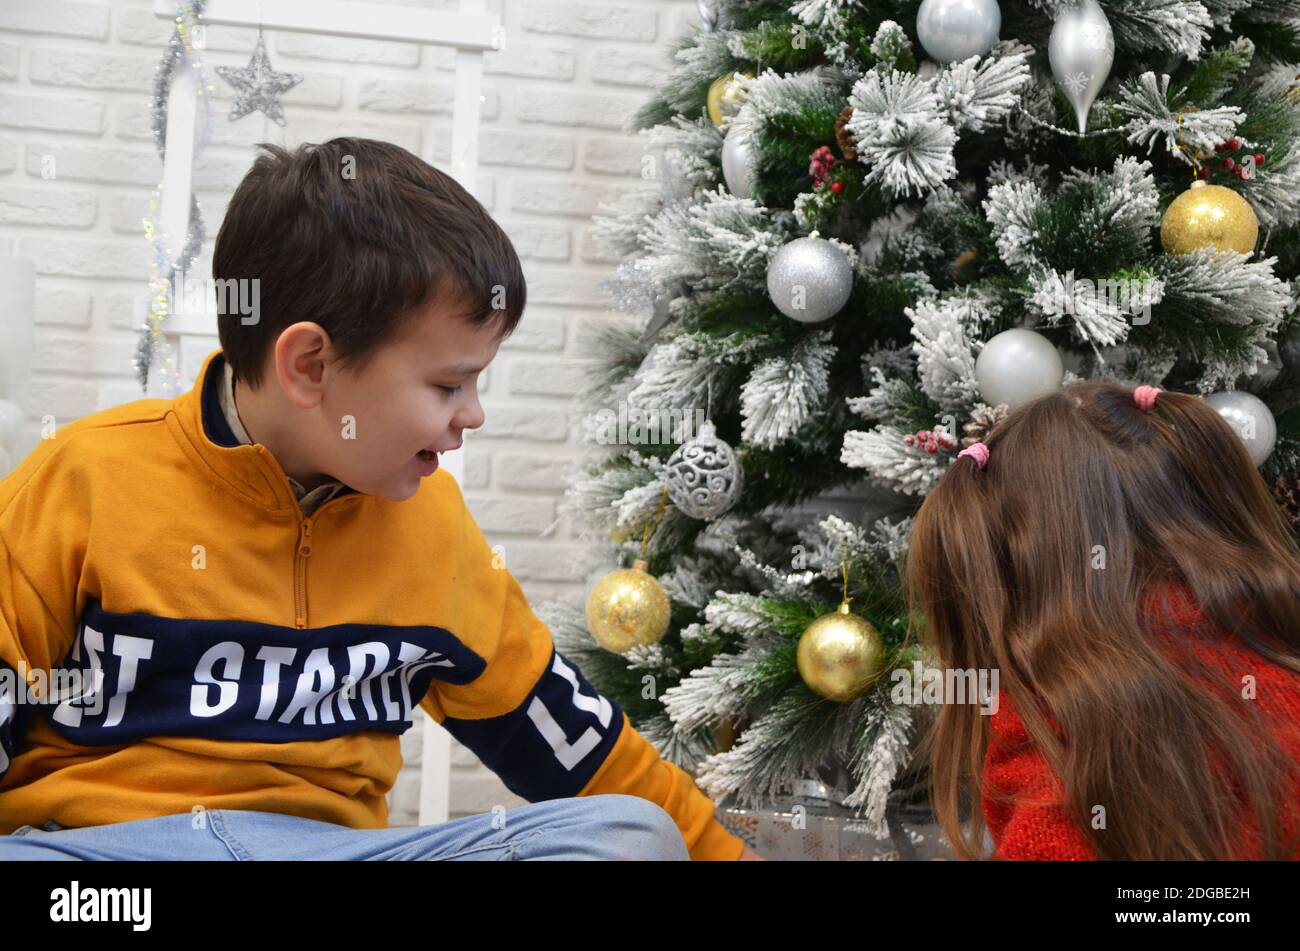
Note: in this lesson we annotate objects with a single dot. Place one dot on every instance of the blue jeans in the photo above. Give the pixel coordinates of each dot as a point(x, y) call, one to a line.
point(602, 827)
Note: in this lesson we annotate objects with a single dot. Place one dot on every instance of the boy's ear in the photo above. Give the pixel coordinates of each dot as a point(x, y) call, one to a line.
point(299, 361)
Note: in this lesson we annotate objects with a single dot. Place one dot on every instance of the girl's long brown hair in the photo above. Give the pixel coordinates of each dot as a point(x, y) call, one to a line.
point(1002, 573)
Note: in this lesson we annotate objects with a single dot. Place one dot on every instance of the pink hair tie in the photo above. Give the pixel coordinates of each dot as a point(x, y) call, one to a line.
point(1146, 397)
point(977, 451)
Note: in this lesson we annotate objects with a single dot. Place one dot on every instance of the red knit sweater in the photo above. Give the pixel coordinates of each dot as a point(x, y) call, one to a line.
point(1012, 765)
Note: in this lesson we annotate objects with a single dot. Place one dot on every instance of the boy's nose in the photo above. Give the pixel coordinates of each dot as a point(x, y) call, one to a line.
point(473, 417)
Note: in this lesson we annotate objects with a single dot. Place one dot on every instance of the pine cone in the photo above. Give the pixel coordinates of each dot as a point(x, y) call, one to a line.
point(842, 138)
point(725, 733)
point(1287, 493)
point(982, 420)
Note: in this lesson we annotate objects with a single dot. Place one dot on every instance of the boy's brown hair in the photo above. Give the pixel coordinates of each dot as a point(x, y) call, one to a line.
point(358, 236)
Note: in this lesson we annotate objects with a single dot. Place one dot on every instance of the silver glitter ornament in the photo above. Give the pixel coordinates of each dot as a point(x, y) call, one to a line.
point(631, 286)
point(663, 311)
point(810, 279)
point(1081, 51)
point(703, 475)
point(259, 86)
point(953, 30)
point(738, 163)
point(1250, 418)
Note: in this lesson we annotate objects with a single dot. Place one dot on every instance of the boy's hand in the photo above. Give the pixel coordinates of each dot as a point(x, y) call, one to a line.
point(749, 855)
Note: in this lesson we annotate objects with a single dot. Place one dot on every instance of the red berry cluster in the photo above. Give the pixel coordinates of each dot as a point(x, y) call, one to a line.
point(819, 166)
point(1232, 166)
point(820, 162)
point(931, 440)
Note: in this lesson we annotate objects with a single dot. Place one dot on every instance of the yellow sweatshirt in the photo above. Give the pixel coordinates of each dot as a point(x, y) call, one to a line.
point(238, 655)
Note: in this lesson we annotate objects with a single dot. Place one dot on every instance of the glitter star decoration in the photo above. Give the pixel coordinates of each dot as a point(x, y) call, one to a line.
point(259, 86)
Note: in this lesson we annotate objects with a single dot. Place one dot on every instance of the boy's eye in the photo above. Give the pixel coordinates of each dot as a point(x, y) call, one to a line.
point(453, 390)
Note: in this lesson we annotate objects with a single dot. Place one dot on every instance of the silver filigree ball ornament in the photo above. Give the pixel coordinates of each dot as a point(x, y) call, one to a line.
point(704, 476)
point(810, 279)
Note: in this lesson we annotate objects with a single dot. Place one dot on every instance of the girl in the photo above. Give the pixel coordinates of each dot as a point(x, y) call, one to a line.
point(1113, 554)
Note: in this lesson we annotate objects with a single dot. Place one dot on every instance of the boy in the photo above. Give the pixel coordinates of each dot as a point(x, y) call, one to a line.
point(257, 580)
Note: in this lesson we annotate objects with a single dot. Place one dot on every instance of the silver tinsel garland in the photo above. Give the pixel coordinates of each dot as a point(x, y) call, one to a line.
point(179, 52)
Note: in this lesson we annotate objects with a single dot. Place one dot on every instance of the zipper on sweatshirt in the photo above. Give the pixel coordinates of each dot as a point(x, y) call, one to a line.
point(300, 556)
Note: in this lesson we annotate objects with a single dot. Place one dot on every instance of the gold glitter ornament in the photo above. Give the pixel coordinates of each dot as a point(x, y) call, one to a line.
point(840, 654)
point(628, 607)
point(725, 97)
point(1209, 216)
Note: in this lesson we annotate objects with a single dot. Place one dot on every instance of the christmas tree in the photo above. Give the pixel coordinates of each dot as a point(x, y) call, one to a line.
point(868, 231)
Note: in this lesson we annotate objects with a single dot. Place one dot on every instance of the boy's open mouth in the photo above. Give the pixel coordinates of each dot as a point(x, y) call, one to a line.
point(431, 455)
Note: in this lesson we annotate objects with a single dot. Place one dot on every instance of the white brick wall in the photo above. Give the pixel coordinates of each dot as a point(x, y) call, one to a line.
point(75, 85)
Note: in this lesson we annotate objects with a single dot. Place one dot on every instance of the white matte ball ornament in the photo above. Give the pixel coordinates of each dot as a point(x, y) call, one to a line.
point(810, 279)
point(1250, 418)
point(1016, 367)
point(738, 164)
point(952, 30)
